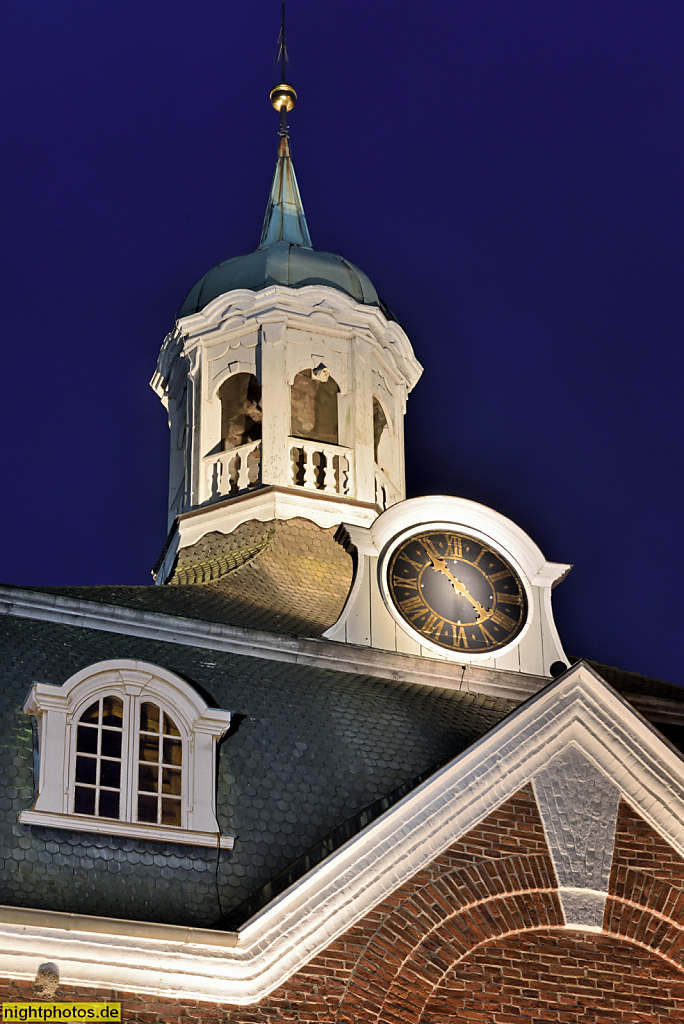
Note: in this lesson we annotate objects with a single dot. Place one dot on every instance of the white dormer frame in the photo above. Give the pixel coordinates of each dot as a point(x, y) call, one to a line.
point(58, 709)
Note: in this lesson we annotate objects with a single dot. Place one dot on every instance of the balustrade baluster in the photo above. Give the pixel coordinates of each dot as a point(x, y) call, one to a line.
point(242, 480)
point(309, 467)
point(233, 465)
point(344, 484)
point(329, 480)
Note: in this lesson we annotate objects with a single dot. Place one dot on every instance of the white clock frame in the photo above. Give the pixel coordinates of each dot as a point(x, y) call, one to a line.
point(369, 618)
point(477, 535)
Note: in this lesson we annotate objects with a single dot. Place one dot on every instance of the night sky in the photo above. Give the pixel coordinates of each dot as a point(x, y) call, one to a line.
point(509, 174)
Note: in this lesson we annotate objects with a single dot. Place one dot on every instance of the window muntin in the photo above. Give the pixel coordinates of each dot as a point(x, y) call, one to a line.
point(160, 763)
point(128, 762)
point(99, 734)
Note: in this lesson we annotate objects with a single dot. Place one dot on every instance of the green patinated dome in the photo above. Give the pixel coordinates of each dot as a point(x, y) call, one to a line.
point(285, 255)
point(282, 263)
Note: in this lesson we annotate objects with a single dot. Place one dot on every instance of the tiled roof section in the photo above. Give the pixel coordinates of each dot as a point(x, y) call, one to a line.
point(632, 682)
point(309, 750)
point(217, 554)
point(288, 576)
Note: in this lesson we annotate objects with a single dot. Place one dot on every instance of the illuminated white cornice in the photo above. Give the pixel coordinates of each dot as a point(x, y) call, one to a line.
point(577, 712)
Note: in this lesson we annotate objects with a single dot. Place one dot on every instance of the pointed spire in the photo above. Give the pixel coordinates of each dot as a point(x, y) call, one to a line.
point(285, 220)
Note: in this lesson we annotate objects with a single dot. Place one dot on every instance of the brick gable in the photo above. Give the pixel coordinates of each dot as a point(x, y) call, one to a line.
point(478, 935)
point(569, 978)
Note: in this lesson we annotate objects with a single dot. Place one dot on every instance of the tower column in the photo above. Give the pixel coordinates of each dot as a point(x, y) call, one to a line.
point(275, 401)
point(363, 420)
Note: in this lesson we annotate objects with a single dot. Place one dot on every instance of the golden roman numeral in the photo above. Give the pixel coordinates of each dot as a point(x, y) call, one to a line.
point(508, 598)
point(501, 619)
point(416, 565)
point(486, 635)
point(433, 624)
point(460, 637)
point(500, 575)
point(414, 605)
point(410, 584)
point(454, 547)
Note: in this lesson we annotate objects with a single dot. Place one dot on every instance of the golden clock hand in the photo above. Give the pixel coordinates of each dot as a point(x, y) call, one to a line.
point(440, 565)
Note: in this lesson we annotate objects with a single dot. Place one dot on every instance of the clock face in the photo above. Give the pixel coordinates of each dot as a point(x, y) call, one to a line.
point(456, 592)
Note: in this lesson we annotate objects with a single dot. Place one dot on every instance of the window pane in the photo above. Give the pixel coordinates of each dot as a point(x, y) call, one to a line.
point(149, 748)
point(112, 711)
point(147, 778)
point(170, 728)
point(91, 714)
point(147, 808)
point(171, 812)
point(87, 739)
point(149, 717)
point(171, 781)
point(109, 804)
point(172, 752)
point(85, 801)
point(86, 770)
point(111, 743)
point(110, 774)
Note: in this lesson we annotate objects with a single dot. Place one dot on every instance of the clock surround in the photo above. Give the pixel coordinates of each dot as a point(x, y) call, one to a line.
point(442, 591)
point(456, 591)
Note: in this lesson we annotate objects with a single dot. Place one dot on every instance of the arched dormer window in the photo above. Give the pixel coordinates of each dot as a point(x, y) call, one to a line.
point(240, 397)
point(127, 748)
point(142, 783)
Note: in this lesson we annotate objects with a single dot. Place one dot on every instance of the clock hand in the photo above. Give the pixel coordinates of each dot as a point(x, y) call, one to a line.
point(440, 565)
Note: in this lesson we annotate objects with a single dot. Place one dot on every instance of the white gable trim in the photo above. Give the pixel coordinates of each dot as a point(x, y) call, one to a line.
point(578, 709)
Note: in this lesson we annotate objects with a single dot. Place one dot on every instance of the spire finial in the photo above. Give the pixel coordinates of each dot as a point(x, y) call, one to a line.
point(285, 220)
point(283, 95)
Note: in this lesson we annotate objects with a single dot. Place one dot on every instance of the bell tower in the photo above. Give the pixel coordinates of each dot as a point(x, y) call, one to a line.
point(285, 380)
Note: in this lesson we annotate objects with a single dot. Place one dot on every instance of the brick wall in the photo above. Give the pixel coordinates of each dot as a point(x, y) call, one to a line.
point(477, 936)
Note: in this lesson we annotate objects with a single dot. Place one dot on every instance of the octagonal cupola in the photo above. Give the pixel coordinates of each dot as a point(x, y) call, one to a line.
point(285, 380)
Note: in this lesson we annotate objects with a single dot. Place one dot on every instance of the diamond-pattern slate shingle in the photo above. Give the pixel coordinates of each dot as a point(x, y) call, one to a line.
point(309, 750)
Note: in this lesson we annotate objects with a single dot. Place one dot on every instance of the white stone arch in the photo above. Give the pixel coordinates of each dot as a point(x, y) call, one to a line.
point(308, 350)
point(233, 367)
point(58, 709)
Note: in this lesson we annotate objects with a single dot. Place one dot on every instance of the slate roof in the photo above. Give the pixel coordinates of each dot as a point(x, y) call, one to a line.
point(309, 750)
point(633, 683)
point(286, 576)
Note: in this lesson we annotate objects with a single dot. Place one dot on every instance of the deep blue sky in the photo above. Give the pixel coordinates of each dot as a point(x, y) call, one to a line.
point(509, 174)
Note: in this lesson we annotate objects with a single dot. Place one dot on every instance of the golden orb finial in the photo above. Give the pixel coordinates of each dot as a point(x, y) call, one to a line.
point(283, 97)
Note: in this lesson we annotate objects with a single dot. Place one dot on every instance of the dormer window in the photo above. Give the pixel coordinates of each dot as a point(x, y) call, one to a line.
point(147, 786)
point(130, 749)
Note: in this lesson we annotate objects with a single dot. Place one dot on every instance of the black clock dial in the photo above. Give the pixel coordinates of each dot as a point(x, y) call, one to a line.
point(456, 591)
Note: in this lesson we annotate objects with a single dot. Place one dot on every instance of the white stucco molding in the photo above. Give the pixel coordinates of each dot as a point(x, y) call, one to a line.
point(314, 307)
point(578, 710)
point(319, 653)
point(58, 709)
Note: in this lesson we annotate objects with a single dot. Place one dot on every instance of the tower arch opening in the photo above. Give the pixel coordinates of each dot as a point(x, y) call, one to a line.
point(240, 397)
point(313, 407)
